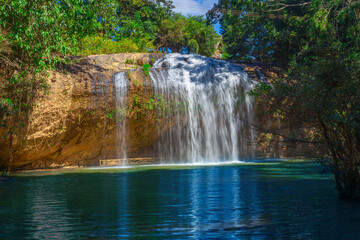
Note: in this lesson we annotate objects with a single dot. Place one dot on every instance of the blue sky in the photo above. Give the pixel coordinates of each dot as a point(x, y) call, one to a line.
point(194, 7)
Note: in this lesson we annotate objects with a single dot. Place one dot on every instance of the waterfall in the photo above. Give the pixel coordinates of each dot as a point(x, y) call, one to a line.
point(204, 111)
point(121, 88)
point(207, 107)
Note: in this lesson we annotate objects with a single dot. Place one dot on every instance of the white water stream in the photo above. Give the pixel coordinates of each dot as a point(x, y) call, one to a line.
point(121, 89)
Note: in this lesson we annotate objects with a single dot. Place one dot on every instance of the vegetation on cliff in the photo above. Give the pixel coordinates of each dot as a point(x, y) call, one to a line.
point(319, 43)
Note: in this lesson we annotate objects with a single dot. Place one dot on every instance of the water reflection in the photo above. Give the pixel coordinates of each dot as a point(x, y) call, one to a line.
point(216, 201)
point(228, 202)
point(122, 204)
point(48, 213)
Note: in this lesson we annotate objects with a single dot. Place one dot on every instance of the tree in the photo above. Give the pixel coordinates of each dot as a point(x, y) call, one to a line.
point(187, 34)
point(140, 19)
point(268, 31)
point(155, 11)
point(170, 34)
point(321, 89)
point(34, 36)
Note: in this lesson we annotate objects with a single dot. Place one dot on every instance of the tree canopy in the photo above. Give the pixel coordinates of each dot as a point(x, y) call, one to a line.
point(317, 42)
point(187, 34)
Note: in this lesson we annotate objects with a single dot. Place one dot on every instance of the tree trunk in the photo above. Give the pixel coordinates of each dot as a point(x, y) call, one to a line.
point(347, 178)
point(346, 165)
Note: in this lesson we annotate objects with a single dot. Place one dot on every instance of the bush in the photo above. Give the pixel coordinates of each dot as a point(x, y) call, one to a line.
point(130, 61)
point(95, 45)
point(146, 68)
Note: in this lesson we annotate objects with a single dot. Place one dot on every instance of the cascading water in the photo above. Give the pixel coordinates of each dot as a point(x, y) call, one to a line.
point(204, 110)
point(208, 109)
point(121, 88)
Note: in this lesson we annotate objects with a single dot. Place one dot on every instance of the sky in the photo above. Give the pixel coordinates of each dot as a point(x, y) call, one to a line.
point(195, 7)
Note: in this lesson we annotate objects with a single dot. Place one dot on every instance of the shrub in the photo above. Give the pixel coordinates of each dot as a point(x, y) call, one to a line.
point(146, 68)
point(95, 45)
point(129, 61)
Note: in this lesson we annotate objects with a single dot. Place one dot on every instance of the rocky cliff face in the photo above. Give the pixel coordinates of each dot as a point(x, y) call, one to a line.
point(275, 140)
point(75, 124)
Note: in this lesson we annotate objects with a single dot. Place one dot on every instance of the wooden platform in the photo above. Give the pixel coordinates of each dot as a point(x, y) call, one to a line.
point(128, 161)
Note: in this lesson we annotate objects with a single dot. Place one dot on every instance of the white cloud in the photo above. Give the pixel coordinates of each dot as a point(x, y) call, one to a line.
point(193, 7)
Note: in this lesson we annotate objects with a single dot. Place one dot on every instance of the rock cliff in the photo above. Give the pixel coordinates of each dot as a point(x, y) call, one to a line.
point(75, 124)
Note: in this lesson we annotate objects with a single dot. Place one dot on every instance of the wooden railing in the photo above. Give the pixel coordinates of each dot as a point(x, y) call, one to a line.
point(128, 161)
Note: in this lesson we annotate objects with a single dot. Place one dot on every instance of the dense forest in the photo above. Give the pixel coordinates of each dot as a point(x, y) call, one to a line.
point(315, 42)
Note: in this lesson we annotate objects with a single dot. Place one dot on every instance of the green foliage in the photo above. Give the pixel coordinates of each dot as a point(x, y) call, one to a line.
point(258, 29)
point(110, 113)
point(140, 19)
point(152, 25)
point(168, 106)
point(268, 137)
point(129, 61)
point(191, 35)
point(3, 173)
point(95, 45)
point(321, 89)
point(149, 105)
point(152, 105)
point(260, 89)
point(34, 37)
point(146, 68)
point(193, 46)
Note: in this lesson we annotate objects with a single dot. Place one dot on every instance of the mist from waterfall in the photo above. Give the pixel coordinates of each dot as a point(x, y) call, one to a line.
point(210, 110)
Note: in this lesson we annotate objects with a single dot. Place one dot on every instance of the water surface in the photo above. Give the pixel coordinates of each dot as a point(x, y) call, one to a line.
point(271, 200)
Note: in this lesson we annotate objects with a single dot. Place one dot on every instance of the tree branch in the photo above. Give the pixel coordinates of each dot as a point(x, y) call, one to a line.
point(286, 6)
